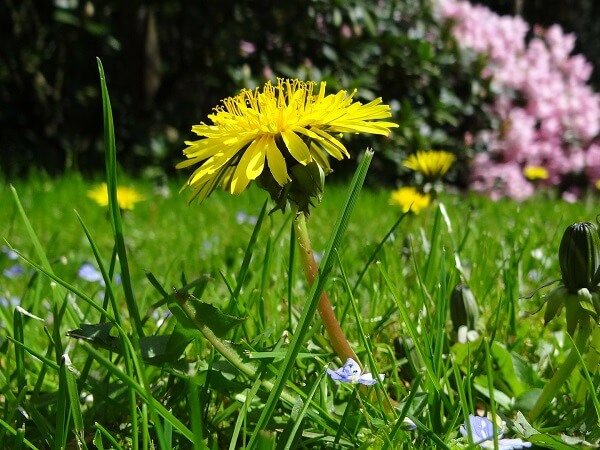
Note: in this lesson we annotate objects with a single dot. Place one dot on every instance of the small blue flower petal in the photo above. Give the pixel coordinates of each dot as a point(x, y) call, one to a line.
point(351, 373)
point(13, 271)
point(9, 301)
point(408, 424)
point(10, 254)
point(241, 218)
point(89, 273)
point(482, 431)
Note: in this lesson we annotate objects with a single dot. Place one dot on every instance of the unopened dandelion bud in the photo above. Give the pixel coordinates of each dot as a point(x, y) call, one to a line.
point(464, 310)
point(579, 256)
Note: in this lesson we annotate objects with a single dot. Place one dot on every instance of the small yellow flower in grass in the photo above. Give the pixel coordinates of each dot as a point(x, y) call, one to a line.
point(270, 131)
point(598, 185)
point(533, 173)
point(409, 198)
point(127, 197)
point(431, 163)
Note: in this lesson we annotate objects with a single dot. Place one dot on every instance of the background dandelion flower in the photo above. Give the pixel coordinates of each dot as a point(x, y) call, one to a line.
point(533, 173)
point(272, 130)
point(127, 197)
point(432, 163)
point(409, 198)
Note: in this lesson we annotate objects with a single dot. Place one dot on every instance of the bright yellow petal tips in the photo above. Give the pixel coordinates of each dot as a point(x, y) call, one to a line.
point(271, 130)
point(432, 163)
point(127, 197)
point(410, 199)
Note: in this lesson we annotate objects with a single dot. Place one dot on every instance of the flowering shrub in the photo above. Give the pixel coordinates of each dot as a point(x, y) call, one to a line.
point(544, 114)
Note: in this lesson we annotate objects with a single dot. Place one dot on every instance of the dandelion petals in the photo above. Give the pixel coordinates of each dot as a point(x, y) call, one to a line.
point(276, 162)
point(297, 147)
point(250, 166)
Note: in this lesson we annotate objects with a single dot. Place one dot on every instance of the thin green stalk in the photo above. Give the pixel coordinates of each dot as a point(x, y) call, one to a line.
point(337, 337)
point(562, 374)
point(592, 360)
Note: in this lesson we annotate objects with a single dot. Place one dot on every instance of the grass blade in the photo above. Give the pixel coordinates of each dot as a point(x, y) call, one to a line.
point(110, 153)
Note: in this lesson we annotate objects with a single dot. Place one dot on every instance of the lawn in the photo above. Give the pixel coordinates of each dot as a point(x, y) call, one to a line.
point(399, 279)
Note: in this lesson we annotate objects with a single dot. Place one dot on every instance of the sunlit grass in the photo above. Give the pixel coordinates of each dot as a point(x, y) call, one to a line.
point(503, 251)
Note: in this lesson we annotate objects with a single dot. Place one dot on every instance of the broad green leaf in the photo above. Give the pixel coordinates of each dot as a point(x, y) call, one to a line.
point(155, 350)
point(191, 312)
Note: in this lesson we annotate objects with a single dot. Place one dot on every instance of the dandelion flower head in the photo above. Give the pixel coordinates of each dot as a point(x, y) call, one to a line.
point(535, 173)
point(127, 197)
point(410, 199)
point(432, 164)
point(273, 129)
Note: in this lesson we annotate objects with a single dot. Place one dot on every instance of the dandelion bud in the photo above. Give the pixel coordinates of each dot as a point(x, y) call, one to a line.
point(464, 310)
point(307, 184)
point(579, 256)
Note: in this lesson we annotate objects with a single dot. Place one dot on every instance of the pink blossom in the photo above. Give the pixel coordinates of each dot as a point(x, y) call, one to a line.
point(547, 115)
point(247, 48)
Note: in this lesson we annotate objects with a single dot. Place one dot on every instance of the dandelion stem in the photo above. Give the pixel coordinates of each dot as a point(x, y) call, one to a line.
point(338, 339)
point(562, 374)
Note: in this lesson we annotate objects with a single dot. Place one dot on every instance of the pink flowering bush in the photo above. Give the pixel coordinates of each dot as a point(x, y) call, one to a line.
point(544, 113)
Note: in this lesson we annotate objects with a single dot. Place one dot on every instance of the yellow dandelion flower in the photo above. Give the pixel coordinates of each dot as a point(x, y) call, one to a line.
point(409, 198)
point(274, 129)
point(598, 184)
point(533, 173)
point(431, 163)
point(127, 197)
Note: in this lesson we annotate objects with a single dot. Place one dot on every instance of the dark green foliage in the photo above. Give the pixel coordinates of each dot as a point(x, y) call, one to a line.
point(170, 63)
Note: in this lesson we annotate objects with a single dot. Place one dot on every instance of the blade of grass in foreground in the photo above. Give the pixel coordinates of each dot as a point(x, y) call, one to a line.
point(132, 307)
point(315, 293)
point(110, 153)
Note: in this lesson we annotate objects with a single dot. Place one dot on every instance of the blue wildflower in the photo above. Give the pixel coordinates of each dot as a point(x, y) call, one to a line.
point(9, 301)
point(89, 273)
point(13, 271)
point(351, 373)
point(408, 424)
point(482, 432)
point(241, 218)
point(10, 254)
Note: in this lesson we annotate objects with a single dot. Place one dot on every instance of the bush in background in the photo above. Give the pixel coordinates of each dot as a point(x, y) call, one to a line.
point(169, 64)
point(544, 113)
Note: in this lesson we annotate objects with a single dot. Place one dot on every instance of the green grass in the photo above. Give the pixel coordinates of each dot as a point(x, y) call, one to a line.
point(504, 251)
point(241, 362)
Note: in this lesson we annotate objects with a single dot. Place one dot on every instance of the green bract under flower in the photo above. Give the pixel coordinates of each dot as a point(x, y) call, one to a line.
point(273, 129)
